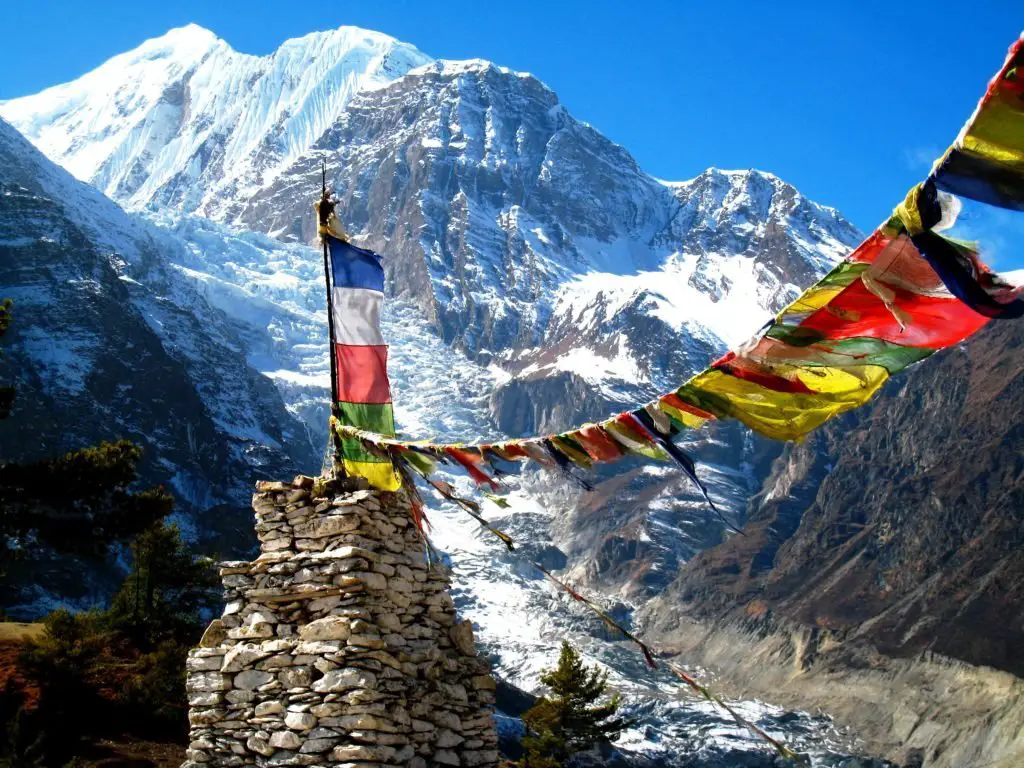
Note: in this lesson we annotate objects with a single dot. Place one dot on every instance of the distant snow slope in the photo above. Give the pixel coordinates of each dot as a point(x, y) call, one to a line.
point(537, 276)
point(274, 292)
point(185, 120)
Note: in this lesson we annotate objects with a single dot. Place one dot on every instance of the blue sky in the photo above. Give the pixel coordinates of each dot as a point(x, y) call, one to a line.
point(847, 100)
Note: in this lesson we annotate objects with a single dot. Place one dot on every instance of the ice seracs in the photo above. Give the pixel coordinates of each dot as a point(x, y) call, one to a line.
point(185, 120)
point(538, 277)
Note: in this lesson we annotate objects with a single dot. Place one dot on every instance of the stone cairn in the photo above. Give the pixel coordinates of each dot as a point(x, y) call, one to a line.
point(339, 645)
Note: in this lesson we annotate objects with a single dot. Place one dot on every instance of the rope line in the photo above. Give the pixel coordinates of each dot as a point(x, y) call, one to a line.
point(472, 508)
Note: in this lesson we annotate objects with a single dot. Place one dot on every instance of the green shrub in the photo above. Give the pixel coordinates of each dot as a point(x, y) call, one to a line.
point(570, 720)
point(152, 698)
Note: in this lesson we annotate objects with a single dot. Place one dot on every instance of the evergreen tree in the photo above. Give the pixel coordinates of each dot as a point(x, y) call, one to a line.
point(157, 612)
point(6, 393)
point(79, 503)
point(163, 596)
point(570, 720)
point(62, 664)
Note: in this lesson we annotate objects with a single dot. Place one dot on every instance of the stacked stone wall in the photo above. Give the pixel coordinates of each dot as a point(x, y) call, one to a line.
point(339, 645)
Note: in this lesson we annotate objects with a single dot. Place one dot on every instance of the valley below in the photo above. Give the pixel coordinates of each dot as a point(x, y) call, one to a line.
point(922, 710)
point(157, 236)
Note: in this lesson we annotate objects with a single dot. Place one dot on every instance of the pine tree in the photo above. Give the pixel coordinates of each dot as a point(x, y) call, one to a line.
point(6, 393)
point(78, 504)
point(161, 599)
point(570, 720)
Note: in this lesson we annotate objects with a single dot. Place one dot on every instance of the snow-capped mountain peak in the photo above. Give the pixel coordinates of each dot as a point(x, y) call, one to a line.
point(185, 120)
point(538, 278)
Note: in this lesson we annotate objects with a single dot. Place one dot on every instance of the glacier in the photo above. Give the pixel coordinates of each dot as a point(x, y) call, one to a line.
point(529, 260)
point(119, 127)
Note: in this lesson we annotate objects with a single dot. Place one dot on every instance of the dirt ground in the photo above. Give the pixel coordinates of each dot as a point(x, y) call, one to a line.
point(135, 754)
point(12, 631)
point(105, 753)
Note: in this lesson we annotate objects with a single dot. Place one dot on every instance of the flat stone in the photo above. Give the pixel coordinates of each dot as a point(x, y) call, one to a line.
point(260, 746)
point(205, 699)
point(346, 552)
point(241, 656)
point(240, 697)
point(202, 663)
point(366, 722)
point(400, 585)
point(404, 754)
point(282, 757)
point(295, 677)
point(446, 757)
point(299, 721)
point(295, 514)
point(205, 716)
point(323, 527)
point(208, 681)
point(374, 753)
point(318, 647)
point(448, 738)
point(447, 719)
point(327, 710)
point(483, 683)
point(265, 708)
point(264, 486)
point(214, 635)
point(315, 746)
point(322, 733)
point(277, 545)
point(462, 635)
point(252, 678)
point(285, 740)
point(323, 604)
point(375, 737)
point(366, 641)
point(372, 580)
point(422, 726)
point(345, 679)
point(327, 628)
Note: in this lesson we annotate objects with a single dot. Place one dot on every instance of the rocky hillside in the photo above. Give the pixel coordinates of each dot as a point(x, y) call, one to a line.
point(900, 525)
point(185, 121)
point(553, 267)
point(109, 342)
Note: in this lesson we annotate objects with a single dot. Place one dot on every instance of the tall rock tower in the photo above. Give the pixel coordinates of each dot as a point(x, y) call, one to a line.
point(338, 645)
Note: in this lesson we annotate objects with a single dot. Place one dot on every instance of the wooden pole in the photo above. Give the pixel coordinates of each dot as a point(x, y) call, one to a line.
point(325, 209)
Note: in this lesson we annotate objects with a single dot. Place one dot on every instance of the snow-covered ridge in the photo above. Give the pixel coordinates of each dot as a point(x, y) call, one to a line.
point(185, 119)
point(539, 242)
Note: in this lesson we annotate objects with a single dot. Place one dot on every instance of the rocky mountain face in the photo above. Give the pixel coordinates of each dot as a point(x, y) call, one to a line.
point(536, 276)
point(899, 525)
point(534, 248)
point(523, 235)
point(108, 342)
point(185, 121)
point(531, 241)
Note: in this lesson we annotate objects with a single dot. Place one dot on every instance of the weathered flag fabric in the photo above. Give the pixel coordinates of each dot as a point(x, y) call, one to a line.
point(363, 399)
point(986, 162)
point(906, 292)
